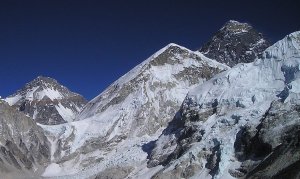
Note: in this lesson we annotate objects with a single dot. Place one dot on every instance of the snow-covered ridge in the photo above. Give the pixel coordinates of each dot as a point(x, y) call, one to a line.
point(259, 74)
point(36, 90)
point(130, 112)
point(217, 111)
point(137, 69)
point(126, 78)
point(47, 101)
point(285, 49)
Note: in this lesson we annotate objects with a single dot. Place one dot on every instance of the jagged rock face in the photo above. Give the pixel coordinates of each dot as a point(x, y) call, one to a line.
point(242, 122)
point(235, 43)
point(271, 149)
point(24, 149)
point(47, 102)
point(133, 110)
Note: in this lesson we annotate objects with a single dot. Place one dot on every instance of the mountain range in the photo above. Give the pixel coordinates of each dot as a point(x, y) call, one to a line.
point(227, 110)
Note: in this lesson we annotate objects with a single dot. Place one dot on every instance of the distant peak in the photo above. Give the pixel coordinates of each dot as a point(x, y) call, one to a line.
point(45, 79)
point(233, 22)
point(42, 81)
point(174, 45)
point(167, 47)
point(235, 26)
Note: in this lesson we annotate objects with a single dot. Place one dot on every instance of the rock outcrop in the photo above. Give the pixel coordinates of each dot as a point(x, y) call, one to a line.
point(235, 43)
point(24, 149)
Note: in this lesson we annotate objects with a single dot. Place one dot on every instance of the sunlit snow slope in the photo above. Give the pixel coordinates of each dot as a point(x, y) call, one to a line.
point(111, 130)
point(242, 122)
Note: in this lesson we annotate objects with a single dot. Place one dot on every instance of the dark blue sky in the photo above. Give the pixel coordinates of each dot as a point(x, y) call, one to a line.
point(88, 44)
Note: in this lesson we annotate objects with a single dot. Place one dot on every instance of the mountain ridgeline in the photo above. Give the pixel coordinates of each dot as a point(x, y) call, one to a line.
point(47, 101)
point(228, 110)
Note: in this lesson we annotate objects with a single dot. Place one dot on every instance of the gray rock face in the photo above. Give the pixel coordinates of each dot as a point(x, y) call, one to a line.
point(47, 101)
point(271, 149)
point(235, 43)
point(115, 173)
point(24, 149)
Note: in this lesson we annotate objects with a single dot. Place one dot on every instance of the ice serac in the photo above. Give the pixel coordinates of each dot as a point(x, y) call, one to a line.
point(24, 149)
point(242, 123)
point(235, 43)
point(111, 129)
point(47, 101)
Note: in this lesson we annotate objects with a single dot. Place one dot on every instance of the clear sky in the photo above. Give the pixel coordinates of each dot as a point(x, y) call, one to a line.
point(88, 44)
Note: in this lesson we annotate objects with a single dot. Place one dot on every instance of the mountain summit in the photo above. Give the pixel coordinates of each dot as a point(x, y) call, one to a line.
point(47, 101)
point(243, 123)
point(129, 113)
point(235, 43)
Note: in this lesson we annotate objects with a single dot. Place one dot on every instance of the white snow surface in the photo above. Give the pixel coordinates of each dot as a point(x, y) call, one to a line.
point(35, 94)
point(13, 100)
point(51, 170)
point(101, 122)
point(245, 91)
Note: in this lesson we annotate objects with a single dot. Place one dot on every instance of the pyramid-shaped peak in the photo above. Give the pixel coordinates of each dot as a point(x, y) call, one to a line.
point(42, 82)
point(174, 45)
point(169, 47)
point(47, 101)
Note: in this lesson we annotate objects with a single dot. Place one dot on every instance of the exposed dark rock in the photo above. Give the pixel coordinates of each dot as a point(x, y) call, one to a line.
point(235, 43)
point(274, 144)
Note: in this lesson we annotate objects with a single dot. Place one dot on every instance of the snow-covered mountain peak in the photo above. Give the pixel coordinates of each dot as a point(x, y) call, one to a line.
point(47, 101)
point(42, 81)
point(39, 88)
point(175, 45)
point(219, 118)
point(285, 49)
point(167, 49)
point(167, 65)
point(134, 108)
point(233, 26)
point(279, 64)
